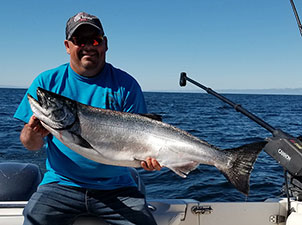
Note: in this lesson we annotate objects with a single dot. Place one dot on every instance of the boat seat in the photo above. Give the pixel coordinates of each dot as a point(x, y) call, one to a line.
point(18, 181)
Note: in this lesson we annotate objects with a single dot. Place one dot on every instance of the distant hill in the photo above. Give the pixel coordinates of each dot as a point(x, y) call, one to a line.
point(11, 86)
point(289, 91)
point(285, 91)
point(277, 91)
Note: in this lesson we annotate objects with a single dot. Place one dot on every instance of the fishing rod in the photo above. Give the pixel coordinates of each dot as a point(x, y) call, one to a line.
point(296, 15)
point(283, 147)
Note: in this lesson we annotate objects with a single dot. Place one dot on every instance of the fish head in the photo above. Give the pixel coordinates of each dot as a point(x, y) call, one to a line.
point(56, 111)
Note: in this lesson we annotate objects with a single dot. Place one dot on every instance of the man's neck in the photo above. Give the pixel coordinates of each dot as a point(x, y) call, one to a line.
point(87, 72)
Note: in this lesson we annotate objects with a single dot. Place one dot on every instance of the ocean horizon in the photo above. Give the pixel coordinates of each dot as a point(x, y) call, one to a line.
point(273, 91)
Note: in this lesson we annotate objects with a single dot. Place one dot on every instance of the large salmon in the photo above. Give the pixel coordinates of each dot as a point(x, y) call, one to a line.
point(126, 139)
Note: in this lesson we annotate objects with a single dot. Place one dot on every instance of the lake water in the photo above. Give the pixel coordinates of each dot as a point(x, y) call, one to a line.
point(202, 115)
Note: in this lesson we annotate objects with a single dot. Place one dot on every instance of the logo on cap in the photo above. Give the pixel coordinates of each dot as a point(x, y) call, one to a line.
point(82, 17)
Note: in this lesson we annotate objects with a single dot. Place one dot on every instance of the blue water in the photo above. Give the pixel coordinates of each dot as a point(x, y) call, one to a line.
point(203, 116)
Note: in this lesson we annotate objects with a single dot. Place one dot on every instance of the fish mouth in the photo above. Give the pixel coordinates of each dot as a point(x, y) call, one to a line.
point(52, 109)
point(44, 106)
point(37, 107)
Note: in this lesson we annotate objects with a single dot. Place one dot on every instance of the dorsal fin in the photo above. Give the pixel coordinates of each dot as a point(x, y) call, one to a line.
point(153, 116)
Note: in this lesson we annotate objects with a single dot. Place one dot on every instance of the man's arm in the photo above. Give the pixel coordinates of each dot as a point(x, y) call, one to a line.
point(32, 134)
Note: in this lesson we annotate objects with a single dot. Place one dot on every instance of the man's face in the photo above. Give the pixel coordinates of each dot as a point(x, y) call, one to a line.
point(87, 50)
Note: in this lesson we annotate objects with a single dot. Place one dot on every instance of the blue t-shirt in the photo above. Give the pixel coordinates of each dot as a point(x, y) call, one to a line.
point(111, 89)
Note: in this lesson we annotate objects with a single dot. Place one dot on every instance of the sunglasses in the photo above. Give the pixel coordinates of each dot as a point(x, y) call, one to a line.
point(82, 41)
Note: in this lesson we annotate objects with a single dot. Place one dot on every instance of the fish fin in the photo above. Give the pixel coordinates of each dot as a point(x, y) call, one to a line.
point(152, 116)
point(242, 162)
point(183, 169)
point(79, 140)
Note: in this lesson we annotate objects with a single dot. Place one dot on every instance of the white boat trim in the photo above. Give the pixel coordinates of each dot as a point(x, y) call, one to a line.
point(165, 211)
point(191, 212)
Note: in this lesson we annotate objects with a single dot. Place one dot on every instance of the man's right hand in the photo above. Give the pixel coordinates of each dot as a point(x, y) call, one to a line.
point(32, 134)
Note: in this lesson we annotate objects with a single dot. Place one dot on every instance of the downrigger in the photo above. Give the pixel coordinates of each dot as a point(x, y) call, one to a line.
point(283, 147)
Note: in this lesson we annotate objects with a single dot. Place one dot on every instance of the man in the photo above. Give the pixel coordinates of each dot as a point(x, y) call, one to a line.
point(72, 184)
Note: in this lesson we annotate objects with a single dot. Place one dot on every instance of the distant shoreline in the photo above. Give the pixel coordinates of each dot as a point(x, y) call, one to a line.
point(269, 91)
point(14, 87)
point(285, 91)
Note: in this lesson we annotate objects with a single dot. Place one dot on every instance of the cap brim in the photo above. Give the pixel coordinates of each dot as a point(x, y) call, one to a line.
point(83, 23)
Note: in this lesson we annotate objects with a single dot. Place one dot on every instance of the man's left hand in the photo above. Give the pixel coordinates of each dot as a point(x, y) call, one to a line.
point(151, 164)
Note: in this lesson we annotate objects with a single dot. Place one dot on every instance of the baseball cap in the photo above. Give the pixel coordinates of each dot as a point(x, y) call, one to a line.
point(79, 19)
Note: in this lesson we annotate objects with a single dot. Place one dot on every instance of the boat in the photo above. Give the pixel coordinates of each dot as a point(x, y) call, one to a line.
point(18, 181)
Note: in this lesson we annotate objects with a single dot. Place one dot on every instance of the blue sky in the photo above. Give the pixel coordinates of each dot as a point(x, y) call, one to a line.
point(224, 44)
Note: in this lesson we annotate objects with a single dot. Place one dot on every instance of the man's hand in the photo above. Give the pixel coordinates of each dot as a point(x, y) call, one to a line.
point(32, 134)
point(36, 126)
point(151, 164)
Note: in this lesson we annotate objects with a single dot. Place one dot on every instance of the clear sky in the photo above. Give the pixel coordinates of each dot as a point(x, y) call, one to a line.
point(224, 44)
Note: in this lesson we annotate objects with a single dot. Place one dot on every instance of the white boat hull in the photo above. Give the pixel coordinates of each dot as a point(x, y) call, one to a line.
point(191, 212)
point(165, 211)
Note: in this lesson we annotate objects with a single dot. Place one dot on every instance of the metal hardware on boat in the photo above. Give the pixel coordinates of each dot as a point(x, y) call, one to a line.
point(202, 209)
point(151, 208)
point(276, 219)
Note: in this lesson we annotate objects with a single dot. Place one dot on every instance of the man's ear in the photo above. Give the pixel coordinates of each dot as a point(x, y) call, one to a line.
point(66, 43)
point(106, 43)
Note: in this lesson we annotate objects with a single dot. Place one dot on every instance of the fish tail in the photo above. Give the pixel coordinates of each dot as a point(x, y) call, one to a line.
point(241, 163)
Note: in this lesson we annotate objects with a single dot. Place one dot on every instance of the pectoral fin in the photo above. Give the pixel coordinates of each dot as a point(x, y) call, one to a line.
point(183, 169)
point(79, 140)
